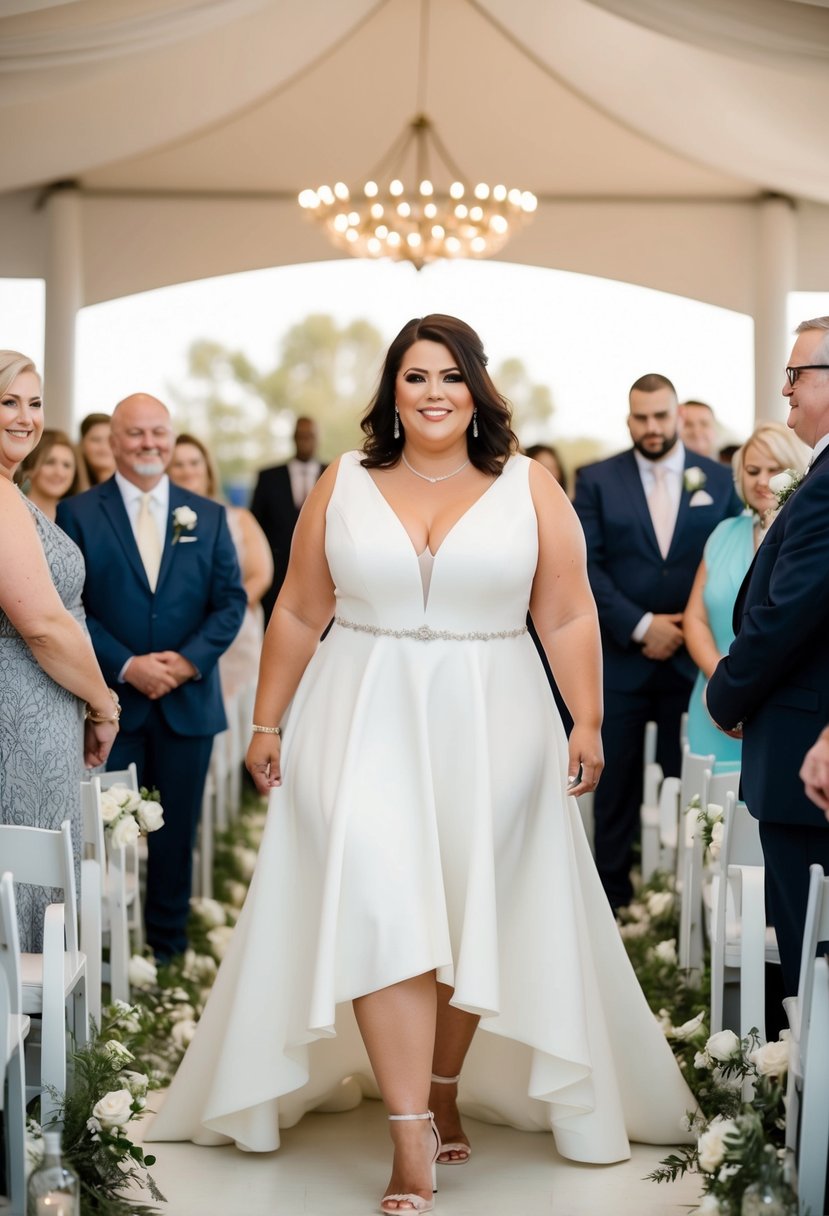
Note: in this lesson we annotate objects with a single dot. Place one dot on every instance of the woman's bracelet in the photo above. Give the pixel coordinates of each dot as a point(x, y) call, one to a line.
point(90, 714)
point(267, 730)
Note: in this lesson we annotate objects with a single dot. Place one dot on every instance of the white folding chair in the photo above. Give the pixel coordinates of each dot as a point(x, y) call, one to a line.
point(649, 811)
point(129, 859)
point(688, 859)
point(696, 890)
point(668, 808)
point(113, 901)
point(816, 929)
point(14, 1026)
point(54, 983)
point(741, 942)
point(814, 1123)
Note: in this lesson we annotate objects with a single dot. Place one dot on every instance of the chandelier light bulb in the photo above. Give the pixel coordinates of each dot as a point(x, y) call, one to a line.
point(478, 245)
point(370, 190)
point(377, 211)
point(341, 190)
point(430, 211)
point(461, 211)
point(396, 187)
point(381, 231)
point(352, 235)
point(326, 195)
point(426, 188)
point(499, 224)
point(482, 190)
point(404, 210)
point(340, 222)
point(456, 190)
point(394, 239)
point(413, 239)
point(374, 246)
point(529, 202)
point(499, 193)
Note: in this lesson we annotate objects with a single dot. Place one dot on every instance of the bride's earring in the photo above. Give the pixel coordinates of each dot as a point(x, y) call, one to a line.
point(396, 424)
point(475, 423)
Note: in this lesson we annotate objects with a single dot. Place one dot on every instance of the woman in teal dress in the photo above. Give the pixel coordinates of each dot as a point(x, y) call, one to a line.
point(728, 554)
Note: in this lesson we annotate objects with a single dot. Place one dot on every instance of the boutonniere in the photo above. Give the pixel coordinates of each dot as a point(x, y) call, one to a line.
point(694, 479)
point(784, 484)
point(184, 520)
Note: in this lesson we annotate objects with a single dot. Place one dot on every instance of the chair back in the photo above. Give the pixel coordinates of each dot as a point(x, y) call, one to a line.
point(816, 930)
point(43, 858)
point(692, 775)
point(93, 824)
point(741, 835)
point(720, 785)
point(121, 776)
point(10, 945)
point(650, 744)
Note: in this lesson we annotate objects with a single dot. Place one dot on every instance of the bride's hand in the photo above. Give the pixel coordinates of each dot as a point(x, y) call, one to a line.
point(263, 761)
point(586, 759)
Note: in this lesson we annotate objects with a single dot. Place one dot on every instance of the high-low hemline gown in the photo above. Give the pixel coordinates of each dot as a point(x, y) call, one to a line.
point(423, 824)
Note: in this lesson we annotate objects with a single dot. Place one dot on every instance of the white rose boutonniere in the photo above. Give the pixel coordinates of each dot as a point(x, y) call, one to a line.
point(694, 479)
point(784, 484)
point(184, 520)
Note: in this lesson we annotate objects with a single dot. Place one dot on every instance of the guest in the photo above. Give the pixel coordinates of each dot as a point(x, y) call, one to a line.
point(421, 825)
point(547, 455)
point(278, 498)
point(50, 472)
point(96, 452)
point(646, 514)
point(727, 453)
point(773, 685)
point(729, 552)
point(163, 601)
point(814, 772)
point(193, 469)
point(698, 428)
point(56, 712)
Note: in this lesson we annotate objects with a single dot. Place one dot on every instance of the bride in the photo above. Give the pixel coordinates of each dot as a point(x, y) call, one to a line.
point(424, 867)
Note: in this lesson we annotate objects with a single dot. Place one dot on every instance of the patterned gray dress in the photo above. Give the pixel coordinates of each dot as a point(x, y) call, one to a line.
point(41, 731)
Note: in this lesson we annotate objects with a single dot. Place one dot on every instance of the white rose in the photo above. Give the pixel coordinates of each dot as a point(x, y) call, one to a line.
point(142, 972)
point(219, 939)
point(124, 832)
point(126, 798)
point(200, 967)
point(245, 860)
point(182, 1033)
point(664, 1020)
point(715, 847)
point(136, 1082)
point(150, 815)
point(93, 1126)
point(665, 951)
point(120, 1054)
point(772, 1059)
point(182, 1013)
point(634, 929)
point(723, 1046)
point(711, 1144)
point(209, 911)
point(114, 1109)
point(637, 912)
point(702, 1060)
point(110, 807)
point(709, 1207)
point(781, 482)
point(236, 893)
point(694, 478)
point(185, 517)
point(659, 903)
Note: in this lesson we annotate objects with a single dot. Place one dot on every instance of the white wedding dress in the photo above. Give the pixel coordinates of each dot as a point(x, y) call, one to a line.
point(423, 824)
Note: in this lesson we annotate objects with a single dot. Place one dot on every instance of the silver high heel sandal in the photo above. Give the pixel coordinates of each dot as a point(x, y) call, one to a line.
point(417, 1202)
point(456, 1146)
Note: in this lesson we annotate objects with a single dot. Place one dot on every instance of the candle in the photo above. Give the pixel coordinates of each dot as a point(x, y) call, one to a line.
point(56, 1203)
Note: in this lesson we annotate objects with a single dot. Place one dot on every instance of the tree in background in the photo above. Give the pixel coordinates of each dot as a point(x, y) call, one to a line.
point(246, 415)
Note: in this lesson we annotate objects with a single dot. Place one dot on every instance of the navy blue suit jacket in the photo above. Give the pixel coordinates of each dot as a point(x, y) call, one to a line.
point(627, 572)
point(775, 677)
point(196, 609)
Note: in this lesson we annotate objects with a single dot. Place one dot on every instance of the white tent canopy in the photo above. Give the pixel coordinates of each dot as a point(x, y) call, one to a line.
point(679, 146)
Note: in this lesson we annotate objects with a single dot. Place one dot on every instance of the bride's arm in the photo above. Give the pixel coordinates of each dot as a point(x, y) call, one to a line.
point(303, 608)
point(564, 614)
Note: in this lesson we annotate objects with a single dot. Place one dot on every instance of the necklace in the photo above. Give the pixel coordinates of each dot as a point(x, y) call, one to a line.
point(425, 477)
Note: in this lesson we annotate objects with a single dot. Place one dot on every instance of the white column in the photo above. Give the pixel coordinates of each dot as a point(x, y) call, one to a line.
point(777, 231)
point(64, 297)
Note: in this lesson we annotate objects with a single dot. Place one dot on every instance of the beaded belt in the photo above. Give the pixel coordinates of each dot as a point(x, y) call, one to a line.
point(426, 634)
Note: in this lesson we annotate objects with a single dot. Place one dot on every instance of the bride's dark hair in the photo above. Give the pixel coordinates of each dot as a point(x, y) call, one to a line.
point(495, 441)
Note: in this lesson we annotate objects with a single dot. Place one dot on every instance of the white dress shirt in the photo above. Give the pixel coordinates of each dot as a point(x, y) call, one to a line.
point(304, 475)
point(674, 465)
point(819, 447)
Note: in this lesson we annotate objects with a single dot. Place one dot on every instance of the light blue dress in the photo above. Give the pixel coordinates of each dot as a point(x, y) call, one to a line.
point(728, 555)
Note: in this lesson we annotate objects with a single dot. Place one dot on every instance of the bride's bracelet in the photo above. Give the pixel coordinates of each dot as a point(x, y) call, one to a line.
point(267, 730)
point(92, 715)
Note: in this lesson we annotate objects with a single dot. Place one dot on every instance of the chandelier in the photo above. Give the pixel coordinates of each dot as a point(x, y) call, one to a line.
point(416, 205)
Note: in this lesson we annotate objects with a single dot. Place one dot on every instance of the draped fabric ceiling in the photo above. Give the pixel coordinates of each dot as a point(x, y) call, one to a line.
point(648, 128)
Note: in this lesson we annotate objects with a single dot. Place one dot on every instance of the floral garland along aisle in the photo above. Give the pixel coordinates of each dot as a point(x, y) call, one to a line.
point(739, 1154)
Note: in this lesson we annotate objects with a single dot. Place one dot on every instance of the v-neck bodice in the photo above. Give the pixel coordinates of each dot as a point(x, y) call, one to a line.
point(480, 577)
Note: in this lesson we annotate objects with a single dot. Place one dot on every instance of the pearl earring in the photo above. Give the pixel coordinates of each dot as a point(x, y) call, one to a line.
point(475, 423)
point(396, 424)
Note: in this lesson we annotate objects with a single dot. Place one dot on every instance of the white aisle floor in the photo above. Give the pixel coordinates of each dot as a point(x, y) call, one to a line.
point(338, 1165)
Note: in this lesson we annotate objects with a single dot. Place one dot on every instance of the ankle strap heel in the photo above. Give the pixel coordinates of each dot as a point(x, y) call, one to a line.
point(418, 1203)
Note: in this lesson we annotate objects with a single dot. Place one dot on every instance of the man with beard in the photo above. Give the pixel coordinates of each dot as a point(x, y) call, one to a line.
point(646, 514)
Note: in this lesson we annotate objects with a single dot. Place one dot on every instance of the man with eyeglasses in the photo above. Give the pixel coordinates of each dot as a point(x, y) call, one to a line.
point(773, 686)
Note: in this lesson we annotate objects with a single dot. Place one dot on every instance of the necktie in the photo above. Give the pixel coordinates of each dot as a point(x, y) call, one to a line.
point(661, 510)
point(148, 541)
